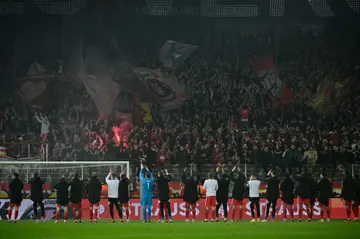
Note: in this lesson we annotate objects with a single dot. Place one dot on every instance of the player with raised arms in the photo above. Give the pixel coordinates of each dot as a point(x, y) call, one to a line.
point(62, 198)
point(210, 186)
point(36, 195)
point(76, 192)
point(190, 196)
point(162, 183)
point(16, 190)
point(303, 191)
point(124, 195)
point(238, 192)
point(113, 195)
point(287, 196)
point(94, 193)
point(147, 183)
point(222, 194)
point(272, 194)
point(254, 197)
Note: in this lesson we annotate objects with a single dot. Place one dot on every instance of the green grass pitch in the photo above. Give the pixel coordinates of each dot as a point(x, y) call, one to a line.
point(107, 230)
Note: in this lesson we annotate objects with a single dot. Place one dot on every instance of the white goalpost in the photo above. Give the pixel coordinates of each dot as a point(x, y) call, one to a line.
point(51, 172)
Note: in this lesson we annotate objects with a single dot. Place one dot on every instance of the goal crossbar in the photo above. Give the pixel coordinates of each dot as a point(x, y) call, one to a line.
point(55, 169)
point(65, 162)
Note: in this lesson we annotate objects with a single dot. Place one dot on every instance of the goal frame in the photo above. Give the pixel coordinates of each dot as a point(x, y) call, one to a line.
point(75, 163)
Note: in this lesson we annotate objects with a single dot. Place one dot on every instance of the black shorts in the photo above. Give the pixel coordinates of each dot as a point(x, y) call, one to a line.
point(94, 201)
point(221, 200)
point(124, 201)
point(16, 200)
point(75, 201)
point(254, 199)
point(37, 199)
point(113, 200)
point(288, 198)
point(272, 199)
point(62, 203)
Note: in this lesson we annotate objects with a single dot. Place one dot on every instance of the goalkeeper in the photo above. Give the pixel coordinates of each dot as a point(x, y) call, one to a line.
point(147, 183)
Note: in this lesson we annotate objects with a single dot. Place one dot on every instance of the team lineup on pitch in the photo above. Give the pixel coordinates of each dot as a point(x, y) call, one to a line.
point(313, 198)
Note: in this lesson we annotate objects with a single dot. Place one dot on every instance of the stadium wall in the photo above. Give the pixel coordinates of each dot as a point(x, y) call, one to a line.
point(178, 209)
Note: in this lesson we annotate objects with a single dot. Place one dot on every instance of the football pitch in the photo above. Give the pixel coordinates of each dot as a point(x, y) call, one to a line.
point(108, 230)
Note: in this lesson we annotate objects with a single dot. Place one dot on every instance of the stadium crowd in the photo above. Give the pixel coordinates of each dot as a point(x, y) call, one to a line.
point(207, 129)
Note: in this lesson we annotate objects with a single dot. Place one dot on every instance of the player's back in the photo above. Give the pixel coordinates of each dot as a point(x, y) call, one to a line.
point(272, 187)
point(223, 191)
point(348, 188)
point(211, 186)
point(113, 187)
point(94, 190)
point(191, 189)
point(36, 190)
point(325, 188)
point(303, 188)
point(75, 190)
point(239, 186)
point(287, 186)
point(147, 185)
point(124, 190)
point(16, 187)
point(62, 193)
point(254, 186)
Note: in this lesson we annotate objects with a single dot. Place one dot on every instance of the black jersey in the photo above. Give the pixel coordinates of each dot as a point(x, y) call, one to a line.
point(36, 190)
point(62, 193)
point(16, 187)
point(124, 192)
point(94, 190)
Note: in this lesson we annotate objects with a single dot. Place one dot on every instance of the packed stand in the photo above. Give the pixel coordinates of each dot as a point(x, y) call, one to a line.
point(207, 128)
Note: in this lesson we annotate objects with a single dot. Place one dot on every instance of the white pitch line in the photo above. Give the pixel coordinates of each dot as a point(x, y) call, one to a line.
point(177, 234)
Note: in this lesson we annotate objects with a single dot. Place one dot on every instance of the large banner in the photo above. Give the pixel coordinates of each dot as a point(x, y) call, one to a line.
point(166, 89)
point(329, 94)
point(177, 209)
point(35, 90)
point(266, 71)
point(172, 54)
point(103, 91)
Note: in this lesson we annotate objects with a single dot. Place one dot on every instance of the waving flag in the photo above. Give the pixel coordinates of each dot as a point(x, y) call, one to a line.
point(329, 94)
point(172, 54)
point(266, 71)
point(166, 89)
point(103, 91)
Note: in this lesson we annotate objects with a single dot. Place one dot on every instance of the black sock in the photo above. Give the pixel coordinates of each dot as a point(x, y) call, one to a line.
point(252, 210)
point(217, 210)
point(225, 209)
point(35, 210)
point(111, 209)
point(267, 210)
point(273, 213)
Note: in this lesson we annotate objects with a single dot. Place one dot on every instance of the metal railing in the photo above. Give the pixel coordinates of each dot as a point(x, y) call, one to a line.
point(24, 150)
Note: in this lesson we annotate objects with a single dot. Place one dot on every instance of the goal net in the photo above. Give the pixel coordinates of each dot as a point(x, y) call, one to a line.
point(51, 172)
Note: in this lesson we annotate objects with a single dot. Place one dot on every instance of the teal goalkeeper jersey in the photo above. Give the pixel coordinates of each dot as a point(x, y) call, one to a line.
point(146, 183)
